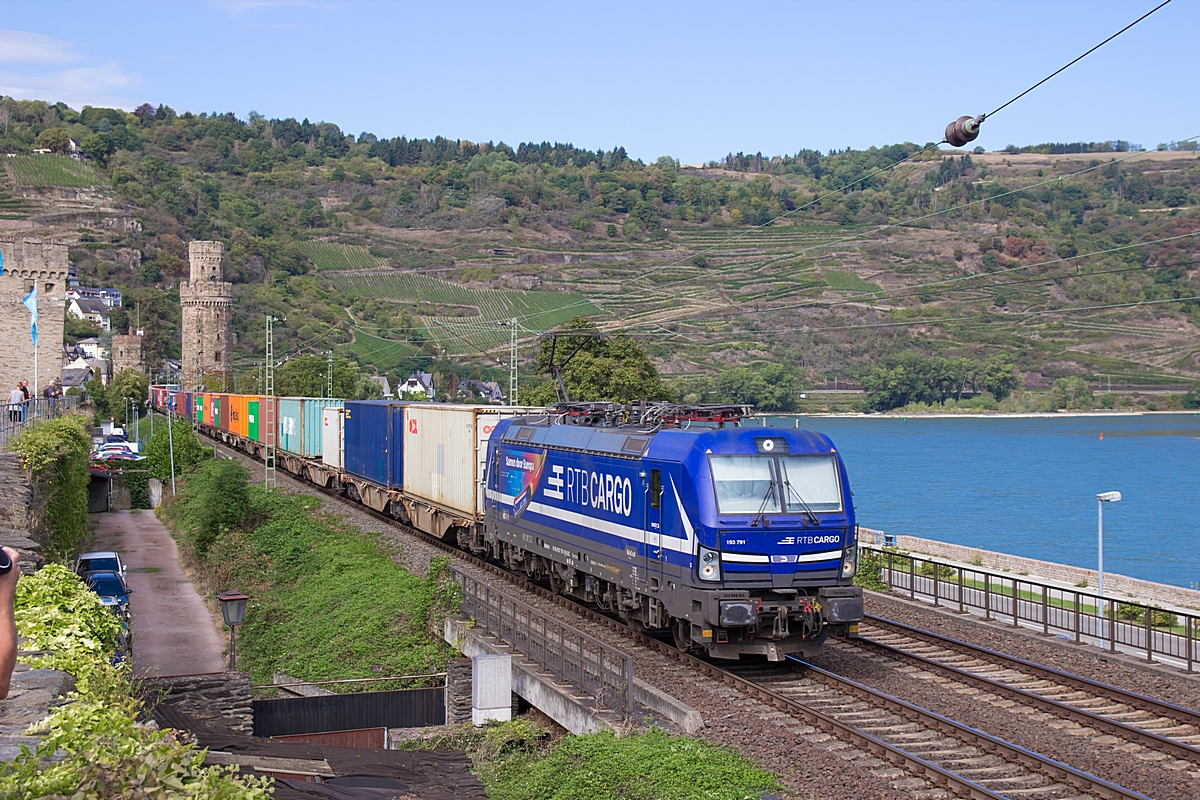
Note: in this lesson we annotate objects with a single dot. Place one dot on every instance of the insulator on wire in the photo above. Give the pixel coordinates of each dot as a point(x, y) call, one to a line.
point(963, 130)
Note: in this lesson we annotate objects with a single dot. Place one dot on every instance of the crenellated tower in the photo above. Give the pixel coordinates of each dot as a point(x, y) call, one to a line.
point(207, 301)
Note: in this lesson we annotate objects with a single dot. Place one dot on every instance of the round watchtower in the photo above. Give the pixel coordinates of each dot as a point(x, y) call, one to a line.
point(207, 301)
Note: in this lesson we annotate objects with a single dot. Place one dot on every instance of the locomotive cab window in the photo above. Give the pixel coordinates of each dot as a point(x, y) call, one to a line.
point(655, 488)
point(744, 484)
point(811, 481)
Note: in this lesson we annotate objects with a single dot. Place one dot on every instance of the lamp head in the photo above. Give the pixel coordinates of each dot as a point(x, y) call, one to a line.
point(1108, 497)
point(233, 607)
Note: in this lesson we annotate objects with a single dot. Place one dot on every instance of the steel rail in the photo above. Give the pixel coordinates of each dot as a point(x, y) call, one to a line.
point(1141, 702)
point(1057, 707)
point(1011, 752)
point(867, 742)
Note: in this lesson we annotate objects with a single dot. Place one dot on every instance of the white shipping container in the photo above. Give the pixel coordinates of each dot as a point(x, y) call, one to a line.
point(445, 447)
point(332, 430)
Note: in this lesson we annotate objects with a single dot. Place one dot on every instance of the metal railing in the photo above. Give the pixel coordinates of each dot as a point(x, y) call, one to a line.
point(1153, 633)
point(19, 416)
point(594, 667)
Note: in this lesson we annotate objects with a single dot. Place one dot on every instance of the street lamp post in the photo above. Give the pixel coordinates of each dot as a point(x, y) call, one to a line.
point(1101, 499)
point(233, 608)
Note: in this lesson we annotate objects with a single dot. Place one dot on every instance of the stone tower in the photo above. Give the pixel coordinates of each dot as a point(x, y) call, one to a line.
point(129, 352)
point(207, 319)
point(27, 262)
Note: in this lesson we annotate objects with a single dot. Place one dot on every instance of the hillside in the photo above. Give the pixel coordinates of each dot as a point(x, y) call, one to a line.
point(403, 254)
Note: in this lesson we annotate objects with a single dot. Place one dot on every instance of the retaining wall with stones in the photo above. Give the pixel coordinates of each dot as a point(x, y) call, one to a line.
point(219, 698)
point(1121, 586)
point(458, 691)
point(15, 500)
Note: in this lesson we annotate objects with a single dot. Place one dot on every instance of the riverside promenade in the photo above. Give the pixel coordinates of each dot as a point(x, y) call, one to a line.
point(1148, 621)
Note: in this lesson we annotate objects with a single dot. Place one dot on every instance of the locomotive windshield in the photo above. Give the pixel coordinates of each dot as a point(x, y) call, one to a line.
point(811, 481)
point(745, 484)
point(763, 484)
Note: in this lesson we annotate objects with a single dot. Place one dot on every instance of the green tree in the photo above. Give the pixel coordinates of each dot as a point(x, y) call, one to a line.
point(56, 139)
point(128, 386)
point(219, 494)
point(999, 376)
point(99, 146)
point(308, 376)
point(97, 395)
point(616, 369)
point(1072, 393)
point(189, 451)
point(1191, 400)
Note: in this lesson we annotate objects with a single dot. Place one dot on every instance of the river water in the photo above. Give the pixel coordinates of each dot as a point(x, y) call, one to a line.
point(1028, 486)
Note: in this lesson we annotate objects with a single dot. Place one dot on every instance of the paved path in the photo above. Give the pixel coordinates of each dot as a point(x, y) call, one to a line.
point(173, 631)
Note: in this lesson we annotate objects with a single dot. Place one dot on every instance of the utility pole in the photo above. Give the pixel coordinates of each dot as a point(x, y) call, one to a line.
point(329, 375)
point(269, 414)
point(512, 362)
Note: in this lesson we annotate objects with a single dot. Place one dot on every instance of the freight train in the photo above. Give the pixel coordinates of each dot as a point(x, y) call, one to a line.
point(736, 540)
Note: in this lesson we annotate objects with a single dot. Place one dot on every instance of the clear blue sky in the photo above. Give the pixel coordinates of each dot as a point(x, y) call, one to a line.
point(693, 80)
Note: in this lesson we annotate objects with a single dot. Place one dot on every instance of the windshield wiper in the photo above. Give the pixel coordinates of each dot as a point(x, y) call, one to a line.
point(812, 518)
point(762, 507)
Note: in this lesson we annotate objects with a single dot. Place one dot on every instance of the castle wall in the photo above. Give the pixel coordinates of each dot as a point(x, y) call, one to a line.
point(26, 261)
point(129, 352)
point(207, 302)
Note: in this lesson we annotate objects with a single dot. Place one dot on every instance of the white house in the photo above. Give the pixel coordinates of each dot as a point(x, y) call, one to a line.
point(90, 309)
point(417, 383)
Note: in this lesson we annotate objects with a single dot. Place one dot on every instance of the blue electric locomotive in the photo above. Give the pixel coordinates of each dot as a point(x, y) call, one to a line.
point(738, 540)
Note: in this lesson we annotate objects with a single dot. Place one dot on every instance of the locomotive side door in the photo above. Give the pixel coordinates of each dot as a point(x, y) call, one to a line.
point(652, 560)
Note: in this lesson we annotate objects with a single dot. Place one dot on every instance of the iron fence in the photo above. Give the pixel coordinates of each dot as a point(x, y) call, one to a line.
point(19, 416)
point(594, 667)
point(1151, 632)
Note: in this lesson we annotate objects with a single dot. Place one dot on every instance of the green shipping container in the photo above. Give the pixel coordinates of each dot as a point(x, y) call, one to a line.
point(252, 420)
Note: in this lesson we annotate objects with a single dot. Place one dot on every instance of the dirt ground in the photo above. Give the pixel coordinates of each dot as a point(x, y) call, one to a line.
point(173, 631)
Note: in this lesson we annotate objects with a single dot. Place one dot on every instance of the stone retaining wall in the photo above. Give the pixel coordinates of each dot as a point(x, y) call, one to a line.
point(458, 691)
point(16, 498)
point(221, 698)
point(1121, 586)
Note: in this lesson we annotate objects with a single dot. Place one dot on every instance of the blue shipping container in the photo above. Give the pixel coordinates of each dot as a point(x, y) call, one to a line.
point(373, 438)
point(300, 424)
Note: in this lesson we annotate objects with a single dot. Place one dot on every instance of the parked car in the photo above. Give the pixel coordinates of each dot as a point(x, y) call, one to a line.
point(99, 561)
point(111, 588)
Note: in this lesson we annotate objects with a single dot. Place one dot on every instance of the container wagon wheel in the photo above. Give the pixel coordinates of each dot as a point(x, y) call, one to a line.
point(557, 583)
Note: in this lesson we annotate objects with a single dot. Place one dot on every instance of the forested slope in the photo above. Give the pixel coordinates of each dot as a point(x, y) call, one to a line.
point(746, 279)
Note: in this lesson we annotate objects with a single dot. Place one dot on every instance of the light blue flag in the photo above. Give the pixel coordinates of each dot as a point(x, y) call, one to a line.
point(30, 302)
point(1, 263)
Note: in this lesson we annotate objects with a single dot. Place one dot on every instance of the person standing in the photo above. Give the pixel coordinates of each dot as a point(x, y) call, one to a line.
point(16, 405)
point(24, 385)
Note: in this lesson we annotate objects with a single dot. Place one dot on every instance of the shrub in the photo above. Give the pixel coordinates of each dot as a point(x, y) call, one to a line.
point(870, 571)
point(93, 746)
point(56, 452)
point(190, 452)
point(218, 500)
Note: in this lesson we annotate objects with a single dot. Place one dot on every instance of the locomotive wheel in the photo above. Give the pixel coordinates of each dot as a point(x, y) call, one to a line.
point(557, 584)
point(681, 632)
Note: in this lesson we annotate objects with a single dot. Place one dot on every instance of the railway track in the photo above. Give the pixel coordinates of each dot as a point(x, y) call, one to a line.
point(1164, 727)
point(883, 730)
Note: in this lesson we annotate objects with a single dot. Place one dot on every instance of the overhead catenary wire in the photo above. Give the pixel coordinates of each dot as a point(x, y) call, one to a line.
point(1076, 60)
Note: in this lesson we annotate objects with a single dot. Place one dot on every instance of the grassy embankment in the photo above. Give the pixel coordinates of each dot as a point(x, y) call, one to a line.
point(328, 601)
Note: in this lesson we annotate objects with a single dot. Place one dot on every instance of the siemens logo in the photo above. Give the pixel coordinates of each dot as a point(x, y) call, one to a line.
point(595, 490)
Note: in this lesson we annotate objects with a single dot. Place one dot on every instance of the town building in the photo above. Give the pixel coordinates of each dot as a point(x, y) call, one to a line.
point(90, 309)
point(129, 351)
point(417, 383)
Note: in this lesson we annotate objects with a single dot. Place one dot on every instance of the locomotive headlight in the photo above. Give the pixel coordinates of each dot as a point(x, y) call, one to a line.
point(850, 561)
point(710, 565)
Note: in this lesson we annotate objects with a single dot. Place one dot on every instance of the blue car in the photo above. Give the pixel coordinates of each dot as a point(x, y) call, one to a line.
point(111, 588)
